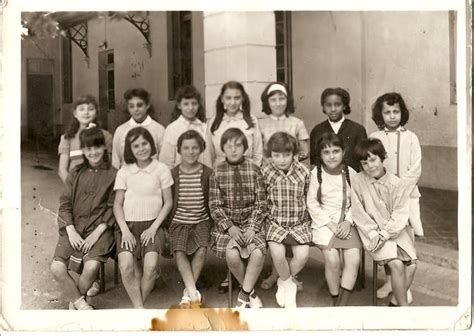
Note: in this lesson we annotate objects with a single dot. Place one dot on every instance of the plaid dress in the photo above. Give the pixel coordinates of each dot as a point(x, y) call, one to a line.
point(287, 211)
point(237, 197)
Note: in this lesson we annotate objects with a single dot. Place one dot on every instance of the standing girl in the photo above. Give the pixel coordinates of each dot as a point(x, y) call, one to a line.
point(86, 220)
point(390, 114)
point(232, 111)
point(237, 202)
point(380, 207)
point(70, 153)
point(142, 202)
point(139, 106)
point(190, 217)
point(188, 114)
point(335, 103)
point(278, 104)
point(329, 205)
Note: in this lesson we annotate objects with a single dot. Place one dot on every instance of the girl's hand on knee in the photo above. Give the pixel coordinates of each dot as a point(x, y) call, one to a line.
point(75, 240)
point(376, 243)
point(89, 242)
point(236, 233)
point(147, 236)
point(344, 230)
point(248, 236)
point(128, 241)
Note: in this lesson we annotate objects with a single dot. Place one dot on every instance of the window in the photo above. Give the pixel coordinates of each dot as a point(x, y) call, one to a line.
point(110, 81)
point(180, 66)
point(283, 47)
point(67, 69)
point(106, 85)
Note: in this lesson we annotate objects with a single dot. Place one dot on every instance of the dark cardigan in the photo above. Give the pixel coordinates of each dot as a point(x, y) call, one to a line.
point(206, 174)
point(350, 132)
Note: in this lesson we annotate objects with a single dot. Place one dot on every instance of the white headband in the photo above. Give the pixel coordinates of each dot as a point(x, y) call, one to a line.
point(276, 87)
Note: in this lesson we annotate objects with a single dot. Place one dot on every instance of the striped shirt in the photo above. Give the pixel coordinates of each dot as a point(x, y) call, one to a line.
point(191, 208)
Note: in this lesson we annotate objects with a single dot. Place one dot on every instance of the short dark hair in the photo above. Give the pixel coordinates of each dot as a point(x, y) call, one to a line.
point(188, 92)
point(370, 145)
point(133, 135)
point(391, 99)
point(327, 139)
point(345, 97)
point(191, 134)
point(91, 137)
point(281, 142)
point(234, 133)
point(290, 103)
point(139, 93)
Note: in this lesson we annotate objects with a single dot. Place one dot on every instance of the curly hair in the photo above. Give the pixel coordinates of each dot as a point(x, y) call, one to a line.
point(188, 92)
point(391, 99)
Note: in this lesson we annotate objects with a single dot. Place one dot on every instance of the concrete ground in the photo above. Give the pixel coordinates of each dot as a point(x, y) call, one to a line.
point(435, 284)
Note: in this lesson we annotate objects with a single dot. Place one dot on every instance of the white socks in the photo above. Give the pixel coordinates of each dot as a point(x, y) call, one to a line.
point(286, 293)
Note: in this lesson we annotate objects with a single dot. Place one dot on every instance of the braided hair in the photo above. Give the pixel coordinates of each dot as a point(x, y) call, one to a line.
point(326, 140)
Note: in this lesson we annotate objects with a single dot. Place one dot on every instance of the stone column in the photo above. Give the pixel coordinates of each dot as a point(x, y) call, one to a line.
point(238, 46)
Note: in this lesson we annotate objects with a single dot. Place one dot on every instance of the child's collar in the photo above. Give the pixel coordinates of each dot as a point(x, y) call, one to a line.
point(237, 162)
point(282, 117)
point(195, 121)
point(399, 129)
point(144, 123)
point(239, 115)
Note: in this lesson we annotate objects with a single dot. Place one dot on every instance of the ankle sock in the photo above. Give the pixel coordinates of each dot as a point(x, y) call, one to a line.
point(244, 296)
point(334, 299)
point(253, 294)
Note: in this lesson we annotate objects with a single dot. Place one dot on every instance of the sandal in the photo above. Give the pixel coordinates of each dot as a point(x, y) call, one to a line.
point(185, 300)
point(94, 290)
point(80, 304)
point(242, 304)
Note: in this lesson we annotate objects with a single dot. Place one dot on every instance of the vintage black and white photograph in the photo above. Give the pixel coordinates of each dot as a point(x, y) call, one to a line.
point(169, 160)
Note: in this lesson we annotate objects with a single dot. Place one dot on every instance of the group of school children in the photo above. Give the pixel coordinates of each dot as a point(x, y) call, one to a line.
point(239, 187)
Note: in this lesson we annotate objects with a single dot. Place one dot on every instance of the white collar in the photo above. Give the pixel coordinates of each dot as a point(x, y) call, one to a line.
point(337, 122)
point(183, 120)
point(282, 117)
point(144, 123)
point(148, 169)
point(399, 129)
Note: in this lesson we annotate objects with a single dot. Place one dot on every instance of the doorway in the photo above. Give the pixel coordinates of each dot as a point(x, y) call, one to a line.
point(40, 116)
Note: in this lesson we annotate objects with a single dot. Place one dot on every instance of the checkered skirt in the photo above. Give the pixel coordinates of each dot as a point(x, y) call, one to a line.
point(189, 238)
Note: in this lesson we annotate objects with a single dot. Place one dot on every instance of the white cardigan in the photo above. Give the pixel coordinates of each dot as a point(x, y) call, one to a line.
point(330, 209)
